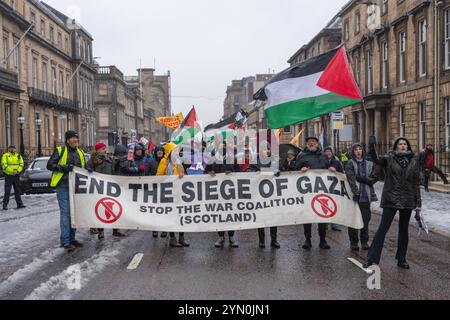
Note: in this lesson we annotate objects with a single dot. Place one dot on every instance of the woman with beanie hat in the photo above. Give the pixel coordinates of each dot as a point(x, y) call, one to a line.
point(401, 193)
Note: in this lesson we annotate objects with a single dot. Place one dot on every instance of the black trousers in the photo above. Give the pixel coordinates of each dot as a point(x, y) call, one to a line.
point(12, 182)
point(403, 236)
point(427, 175)
point(322, 230)
point(364, 232)
point(262, 234)
point(230, 234)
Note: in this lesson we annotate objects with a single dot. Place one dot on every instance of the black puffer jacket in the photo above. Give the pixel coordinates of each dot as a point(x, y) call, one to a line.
point(122, 166)
point(402, 185)
point(313, 160)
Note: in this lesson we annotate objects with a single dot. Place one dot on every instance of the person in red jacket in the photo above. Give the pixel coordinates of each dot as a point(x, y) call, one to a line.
point(427, 166)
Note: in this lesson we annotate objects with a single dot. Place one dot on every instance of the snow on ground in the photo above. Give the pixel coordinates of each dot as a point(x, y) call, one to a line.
point(435, 207)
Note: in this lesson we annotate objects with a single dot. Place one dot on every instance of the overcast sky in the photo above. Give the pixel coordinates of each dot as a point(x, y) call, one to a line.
point(204, 43)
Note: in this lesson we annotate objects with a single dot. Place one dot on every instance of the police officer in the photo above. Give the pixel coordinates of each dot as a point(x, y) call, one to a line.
point(63, 160)
point(12, 166)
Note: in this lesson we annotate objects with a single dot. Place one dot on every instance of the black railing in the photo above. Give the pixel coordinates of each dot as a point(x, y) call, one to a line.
point(52, 100)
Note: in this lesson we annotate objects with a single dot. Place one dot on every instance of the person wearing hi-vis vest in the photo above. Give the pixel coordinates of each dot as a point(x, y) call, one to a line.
point(12, 166)
point(61, 163)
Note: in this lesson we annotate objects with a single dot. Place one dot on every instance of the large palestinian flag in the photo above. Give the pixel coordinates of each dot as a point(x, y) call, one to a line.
point(312, 88)
point(188, 129)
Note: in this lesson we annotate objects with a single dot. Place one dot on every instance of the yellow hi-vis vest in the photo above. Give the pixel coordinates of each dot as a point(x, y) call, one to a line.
point(12, 162)
point(57, 176)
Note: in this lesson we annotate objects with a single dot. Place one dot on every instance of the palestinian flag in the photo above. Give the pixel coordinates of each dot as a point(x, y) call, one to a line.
point(225, 128)
point(310, 89)
point(188, 129)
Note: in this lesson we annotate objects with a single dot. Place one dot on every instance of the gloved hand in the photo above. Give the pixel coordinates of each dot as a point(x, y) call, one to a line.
point(143, 168)
point(356, 197)
point(70, 167)
point(90, 170)
point(361, 179)
point(277, 173)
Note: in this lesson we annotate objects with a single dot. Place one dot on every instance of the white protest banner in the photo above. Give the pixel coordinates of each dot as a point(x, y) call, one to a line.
point(203, 203)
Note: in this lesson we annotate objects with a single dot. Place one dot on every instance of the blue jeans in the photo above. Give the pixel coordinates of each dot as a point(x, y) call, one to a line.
point(67, 232)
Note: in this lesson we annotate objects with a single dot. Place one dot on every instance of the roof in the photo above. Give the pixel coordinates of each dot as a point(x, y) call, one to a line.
point(65, 19)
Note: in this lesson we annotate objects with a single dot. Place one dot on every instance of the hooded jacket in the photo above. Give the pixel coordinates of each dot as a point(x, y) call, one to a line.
point(402, 182)
point(351, 170)
point(122, 166)
point(154, 163)
point(163, 168)
point(101, 163)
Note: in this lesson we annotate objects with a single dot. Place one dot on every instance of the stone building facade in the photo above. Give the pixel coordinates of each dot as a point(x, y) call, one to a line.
point(43, 62)
point(403, 72)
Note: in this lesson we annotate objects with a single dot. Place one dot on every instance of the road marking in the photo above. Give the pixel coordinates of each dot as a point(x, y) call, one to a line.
point(360, 265)
point(135, 262)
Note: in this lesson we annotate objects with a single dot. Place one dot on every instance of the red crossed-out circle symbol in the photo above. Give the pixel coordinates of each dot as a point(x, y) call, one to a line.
point(108, 210)
point(324, 206)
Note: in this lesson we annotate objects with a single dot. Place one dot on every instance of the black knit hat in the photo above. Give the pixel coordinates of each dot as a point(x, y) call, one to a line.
point(71, 134)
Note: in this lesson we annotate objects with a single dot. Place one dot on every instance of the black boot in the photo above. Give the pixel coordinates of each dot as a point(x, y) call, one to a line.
point(275, 245)
point(403, 265)
point(354, 247)
point(324, 244)
point(155, 234)
point(5, 208)
point(308, 244)
point(368, 264)
point(365, 246)
point(21, 206)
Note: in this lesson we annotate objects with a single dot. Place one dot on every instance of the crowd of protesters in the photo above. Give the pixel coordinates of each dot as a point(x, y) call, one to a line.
point(401, 193)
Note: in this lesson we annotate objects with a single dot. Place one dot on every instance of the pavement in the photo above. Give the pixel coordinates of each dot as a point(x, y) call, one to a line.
point(33, 267)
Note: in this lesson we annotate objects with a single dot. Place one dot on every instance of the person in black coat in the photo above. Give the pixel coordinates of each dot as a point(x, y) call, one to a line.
point(312, 158)
point(218, 166)
point(401, 193)
point(152, 170)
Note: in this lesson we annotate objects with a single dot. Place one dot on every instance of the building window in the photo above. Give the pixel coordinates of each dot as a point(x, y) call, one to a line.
point(422, 48)
point(52, 34)
point(8, 123)
point(32, 17)
point(369, 70)
point(61, 84)
point(66, 44)
point(402, 57)
point(16, 55)
point(402, 122)
point(59, 40)
point(14, 4)
point(346, 31)
point(357, 23)
point(447, 38)
point(422, 125)
point(44, 77)
point(35, 73)
point(287, 129)
point(384, 65)
point(5, 50)
point(81, 94)
point(54, 80)
point(47, 130)
point(447, 123)
point(357, 70)
point(385, 7)
point(36, 137)
point(42, 27)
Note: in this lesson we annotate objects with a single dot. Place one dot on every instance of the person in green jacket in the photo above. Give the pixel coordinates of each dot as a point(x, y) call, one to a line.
point(12, 166)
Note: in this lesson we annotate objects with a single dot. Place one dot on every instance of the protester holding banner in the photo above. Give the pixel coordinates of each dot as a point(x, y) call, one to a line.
point(102, 163)
point(218, 166)
point(169, 166)
point(401, 193)
point(63, 160)
point(312, 158)
point(361, 177)
point(123, 166)
point(152, 171)
point(333, 161)
point(289, 163)
point(140, 159)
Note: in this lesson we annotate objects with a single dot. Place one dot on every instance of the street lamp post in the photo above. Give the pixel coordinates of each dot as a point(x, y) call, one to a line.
point(21, 122)
point(38, 128)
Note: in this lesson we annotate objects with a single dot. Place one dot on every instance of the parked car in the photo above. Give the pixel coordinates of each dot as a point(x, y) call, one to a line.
point(36, 179)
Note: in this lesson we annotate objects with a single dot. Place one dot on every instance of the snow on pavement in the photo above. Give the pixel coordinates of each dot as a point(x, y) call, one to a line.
point(435, 207)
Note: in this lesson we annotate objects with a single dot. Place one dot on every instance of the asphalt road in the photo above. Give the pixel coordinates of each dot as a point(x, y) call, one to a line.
point(204, 272)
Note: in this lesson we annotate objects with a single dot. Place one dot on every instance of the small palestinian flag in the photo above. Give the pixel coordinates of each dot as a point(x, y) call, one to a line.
point(188, 129)
point(310, 89)
point(227, 127)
